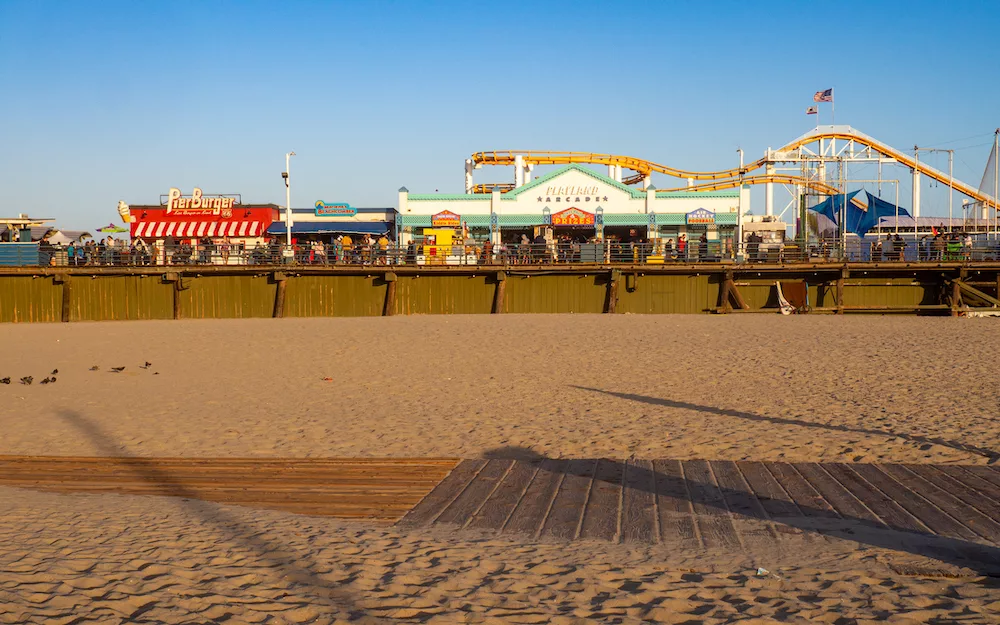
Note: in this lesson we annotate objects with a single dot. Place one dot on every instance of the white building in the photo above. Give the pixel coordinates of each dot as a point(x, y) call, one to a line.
point(577, 201)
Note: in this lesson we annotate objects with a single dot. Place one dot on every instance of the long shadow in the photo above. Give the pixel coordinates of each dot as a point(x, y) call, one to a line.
point(982, 558)
point(993, 455)
point(298, 568)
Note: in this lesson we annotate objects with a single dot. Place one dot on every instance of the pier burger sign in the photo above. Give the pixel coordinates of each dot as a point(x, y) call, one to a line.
point(198, 204)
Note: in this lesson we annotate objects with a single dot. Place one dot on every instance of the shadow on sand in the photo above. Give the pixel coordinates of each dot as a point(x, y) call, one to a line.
point(296, 567)
point(993, 455)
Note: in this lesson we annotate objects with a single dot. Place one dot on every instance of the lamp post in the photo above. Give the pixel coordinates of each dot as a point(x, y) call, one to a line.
point(739, 214)
point(288, 204)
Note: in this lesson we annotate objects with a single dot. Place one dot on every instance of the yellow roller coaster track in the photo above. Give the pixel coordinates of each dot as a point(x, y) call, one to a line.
point(814, 185)
point(729, 177)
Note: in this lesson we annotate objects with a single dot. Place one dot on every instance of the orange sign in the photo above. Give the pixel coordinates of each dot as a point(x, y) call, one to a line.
point(446, 219)
point(573, 217)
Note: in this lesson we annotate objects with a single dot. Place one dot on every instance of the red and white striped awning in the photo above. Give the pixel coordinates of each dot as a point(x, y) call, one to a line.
point(198, 229)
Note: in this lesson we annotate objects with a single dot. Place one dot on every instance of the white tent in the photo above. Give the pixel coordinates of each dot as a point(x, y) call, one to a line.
point(63, 237)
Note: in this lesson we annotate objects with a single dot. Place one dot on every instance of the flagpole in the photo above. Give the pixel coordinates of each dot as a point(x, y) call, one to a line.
point(833, 109)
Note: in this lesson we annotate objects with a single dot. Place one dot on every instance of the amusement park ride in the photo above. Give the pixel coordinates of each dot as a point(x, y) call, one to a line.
point(802, 166)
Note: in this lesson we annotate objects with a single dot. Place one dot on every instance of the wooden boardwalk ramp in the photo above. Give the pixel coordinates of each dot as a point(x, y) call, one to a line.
point(351, 488)
point(951, 513)
point(947, 512)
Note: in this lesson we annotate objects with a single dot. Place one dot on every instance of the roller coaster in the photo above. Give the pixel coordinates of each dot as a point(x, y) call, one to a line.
point(825, 137)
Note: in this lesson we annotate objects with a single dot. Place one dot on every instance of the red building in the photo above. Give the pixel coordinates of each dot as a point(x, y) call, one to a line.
point(218, 223)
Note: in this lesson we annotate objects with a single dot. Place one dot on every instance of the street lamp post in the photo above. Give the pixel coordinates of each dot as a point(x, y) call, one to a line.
point(288, 204)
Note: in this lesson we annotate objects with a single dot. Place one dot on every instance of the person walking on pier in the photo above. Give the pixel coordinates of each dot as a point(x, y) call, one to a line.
point(937, 247)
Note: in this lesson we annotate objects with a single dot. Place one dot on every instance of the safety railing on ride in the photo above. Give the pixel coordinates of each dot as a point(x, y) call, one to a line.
point(513, 254)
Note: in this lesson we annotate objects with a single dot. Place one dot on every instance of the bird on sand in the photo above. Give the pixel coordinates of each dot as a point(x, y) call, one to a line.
point(55, 371)
point(117, 369)
point(5, 380)
point(27, 379)
point(146, 366)
point(94, 368)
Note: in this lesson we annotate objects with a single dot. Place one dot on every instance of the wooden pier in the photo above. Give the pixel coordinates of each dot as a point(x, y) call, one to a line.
point(33, 294)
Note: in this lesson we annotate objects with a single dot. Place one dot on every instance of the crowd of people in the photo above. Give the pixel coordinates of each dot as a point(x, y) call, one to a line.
point(519, 250)
point(106, 251)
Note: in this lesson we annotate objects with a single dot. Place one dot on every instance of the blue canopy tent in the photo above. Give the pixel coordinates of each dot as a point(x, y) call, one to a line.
point(857, 220)
point(831, 206)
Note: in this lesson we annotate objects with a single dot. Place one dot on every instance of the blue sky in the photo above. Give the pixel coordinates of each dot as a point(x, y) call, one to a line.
point(123, 100)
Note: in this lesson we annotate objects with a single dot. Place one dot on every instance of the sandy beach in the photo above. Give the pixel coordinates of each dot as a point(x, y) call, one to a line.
point(111, 559)
point(855, 389)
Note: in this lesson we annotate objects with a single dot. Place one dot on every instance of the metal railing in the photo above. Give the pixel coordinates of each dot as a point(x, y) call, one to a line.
point(510, 254)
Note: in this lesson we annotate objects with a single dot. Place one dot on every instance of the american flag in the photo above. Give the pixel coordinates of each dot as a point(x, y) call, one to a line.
point(812, 110)
point(823, 96)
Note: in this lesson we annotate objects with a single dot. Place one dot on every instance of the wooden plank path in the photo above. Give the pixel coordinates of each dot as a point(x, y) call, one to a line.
point(948, 512)
point(951, 513)
point(351, 488)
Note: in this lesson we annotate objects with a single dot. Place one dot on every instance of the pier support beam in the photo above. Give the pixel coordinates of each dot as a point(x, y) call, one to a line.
point(956, 292)
point(499, 292)
point(727, 287)
point(389, 307)
point(611, 300)
point(279, 295)
point(845, 273)
point(178, 282)
point(64, 281)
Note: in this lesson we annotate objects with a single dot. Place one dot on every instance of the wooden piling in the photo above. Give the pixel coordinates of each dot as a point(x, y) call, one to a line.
point(611, 301)
point(956, 294)
point(279, 295)
point(63, 279)
point(177, 299)
point(845, 273)
point(389, 307)
point(499, 293)
point(727, 287)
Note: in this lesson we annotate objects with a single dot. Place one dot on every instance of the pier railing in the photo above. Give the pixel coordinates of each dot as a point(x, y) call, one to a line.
point(507, 254)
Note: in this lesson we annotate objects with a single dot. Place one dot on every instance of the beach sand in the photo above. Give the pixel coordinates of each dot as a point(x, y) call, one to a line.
point(850, 389)
point(116, 559)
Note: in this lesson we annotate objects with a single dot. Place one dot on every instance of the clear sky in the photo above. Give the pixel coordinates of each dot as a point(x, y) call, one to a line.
point(107, 101)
